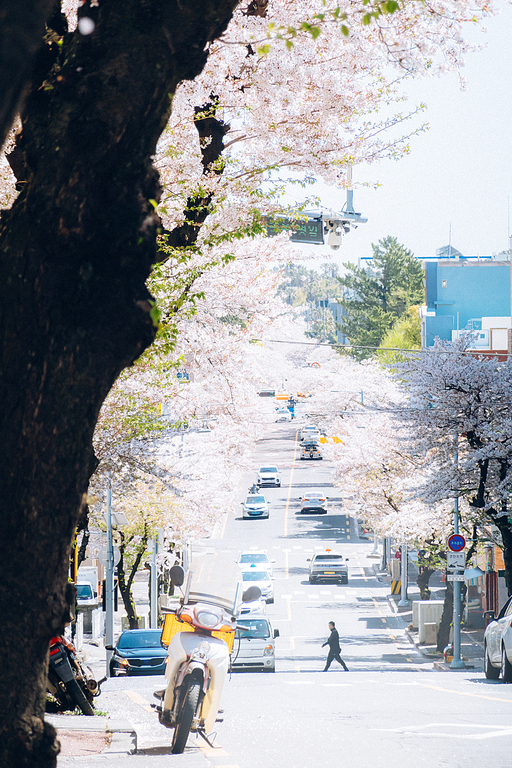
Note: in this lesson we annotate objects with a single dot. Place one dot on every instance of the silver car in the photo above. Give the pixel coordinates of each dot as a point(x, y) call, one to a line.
point(328, 566)
point(498, 644)
point(255, 505)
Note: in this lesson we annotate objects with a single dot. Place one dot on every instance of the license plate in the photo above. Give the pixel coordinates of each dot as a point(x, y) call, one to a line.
point(328, 573)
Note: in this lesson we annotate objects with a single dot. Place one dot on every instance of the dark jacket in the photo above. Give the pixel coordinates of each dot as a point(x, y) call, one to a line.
point(333, 641)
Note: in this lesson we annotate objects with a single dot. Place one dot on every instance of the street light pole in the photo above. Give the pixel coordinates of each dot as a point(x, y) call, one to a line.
point(457, 662)
point(109, 579)
point(404, 602)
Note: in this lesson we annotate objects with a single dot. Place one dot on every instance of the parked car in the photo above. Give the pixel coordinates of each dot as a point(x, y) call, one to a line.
point(255, 505)
point(498, 644)
point(138, 652)
point(328, 566)
point(255, 557)
point(269, 476)
point(314, 502)
point(85, 595)
point(283, 414)
point(310, 449)
point(254, 646)
point(256, 576)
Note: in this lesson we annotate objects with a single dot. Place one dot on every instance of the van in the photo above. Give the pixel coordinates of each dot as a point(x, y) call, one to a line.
point(254, 645)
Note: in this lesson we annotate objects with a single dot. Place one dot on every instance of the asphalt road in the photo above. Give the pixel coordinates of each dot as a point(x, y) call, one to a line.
point(391, 709)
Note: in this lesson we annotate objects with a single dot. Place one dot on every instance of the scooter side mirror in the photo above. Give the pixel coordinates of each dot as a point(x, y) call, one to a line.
point(276, 633)
point(251, 594)
point(177, 575)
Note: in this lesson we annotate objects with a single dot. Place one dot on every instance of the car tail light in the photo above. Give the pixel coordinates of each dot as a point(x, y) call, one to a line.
point(54, 650)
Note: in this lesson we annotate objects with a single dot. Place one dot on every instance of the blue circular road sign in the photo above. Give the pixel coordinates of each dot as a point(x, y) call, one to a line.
point(456, 542)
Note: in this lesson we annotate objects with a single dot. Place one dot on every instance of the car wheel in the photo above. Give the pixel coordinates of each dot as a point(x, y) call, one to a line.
point(506, 667)
point(278, 485)
point(312, 580)
point(491, 673)
point(269, 669)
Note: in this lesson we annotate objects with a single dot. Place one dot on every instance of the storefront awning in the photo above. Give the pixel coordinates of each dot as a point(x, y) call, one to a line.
point(474, 576)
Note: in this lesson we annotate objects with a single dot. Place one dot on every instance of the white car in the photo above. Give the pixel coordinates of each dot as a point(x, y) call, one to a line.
point(255, 608)
point(309, 431)
point(255, 505)
point(258, 557)
point(283, 414)
point(498, 644)
point(85, 595)
point(257, 576)
point(269, 476)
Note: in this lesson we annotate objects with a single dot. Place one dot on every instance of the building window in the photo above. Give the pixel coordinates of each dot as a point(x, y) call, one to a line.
point(444, 284)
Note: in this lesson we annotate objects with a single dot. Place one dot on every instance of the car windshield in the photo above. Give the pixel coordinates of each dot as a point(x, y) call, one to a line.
point(328, 557)
point(268, 469)
point(252, 628)
point(255, 576)
point(84, 591)
point(255, 500)
point(144, 639)
point(254, 558)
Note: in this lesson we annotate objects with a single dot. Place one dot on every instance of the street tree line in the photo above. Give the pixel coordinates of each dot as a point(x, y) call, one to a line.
point(147, 131)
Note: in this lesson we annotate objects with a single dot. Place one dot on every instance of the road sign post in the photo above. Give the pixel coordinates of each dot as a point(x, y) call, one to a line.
point(456, 544)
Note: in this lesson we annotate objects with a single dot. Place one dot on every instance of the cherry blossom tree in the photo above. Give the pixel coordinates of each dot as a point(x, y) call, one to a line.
point(460, 422)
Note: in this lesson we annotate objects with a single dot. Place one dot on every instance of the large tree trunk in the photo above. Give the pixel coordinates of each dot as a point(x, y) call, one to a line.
point(443, 633)
point(75, 250)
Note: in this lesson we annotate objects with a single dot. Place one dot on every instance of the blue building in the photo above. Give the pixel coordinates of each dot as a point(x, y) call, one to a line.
point(467, 295)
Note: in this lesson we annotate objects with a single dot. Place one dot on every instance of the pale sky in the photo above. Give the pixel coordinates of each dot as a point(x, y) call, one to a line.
point(458, 173)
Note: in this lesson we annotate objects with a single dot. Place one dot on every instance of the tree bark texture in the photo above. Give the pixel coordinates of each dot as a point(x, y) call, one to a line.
point(75, 251)
point(443, 633)
point(22, 24)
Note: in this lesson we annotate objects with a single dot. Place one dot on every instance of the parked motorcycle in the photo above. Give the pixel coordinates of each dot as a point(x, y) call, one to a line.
point(70, 682)
point(199, 636)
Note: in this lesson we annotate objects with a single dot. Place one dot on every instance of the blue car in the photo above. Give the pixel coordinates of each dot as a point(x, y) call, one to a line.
point(138, 652)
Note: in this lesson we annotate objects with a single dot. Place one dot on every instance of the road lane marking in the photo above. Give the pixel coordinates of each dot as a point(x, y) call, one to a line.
point(224, 525)
point(140, 700)
point(466, 693)
point(290, 488)
point(214, 752)
point(449, 730)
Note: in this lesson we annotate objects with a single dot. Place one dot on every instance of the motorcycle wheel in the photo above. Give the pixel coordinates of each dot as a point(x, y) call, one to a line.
point(79, 698)
point(189, 702)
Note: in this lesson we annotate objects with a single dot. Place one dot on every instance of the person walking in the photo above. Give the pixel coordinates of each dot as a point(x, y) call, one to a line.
point(333, 641)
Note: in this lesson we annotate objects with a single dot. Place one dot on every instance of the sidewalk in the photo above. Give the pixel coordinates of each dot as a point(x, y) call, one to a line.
point(472, 640)
point(82, 736)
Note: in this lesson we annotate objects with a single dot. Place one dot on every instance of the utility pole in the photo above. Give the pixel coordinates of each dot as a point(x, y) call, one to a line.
point(457, 662)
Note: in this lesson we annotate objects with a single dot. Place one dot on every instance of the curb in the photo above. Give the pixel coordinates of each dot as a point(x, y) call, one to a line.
point(123, 736)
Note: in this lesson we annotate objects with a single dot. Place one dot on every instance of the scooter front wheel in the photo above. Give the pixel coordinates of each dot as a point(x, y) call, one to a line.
point(188, 708)
point(80, 698)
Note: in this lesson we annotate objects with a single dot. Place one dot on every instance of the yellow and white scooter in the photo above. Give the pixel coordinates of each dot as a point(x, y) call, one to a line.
point(199, 636)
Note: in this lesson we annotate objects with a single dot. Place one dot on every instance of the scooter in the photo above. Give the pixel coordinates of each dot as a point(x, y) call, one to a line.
point(199, 636)
point(69, 681)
